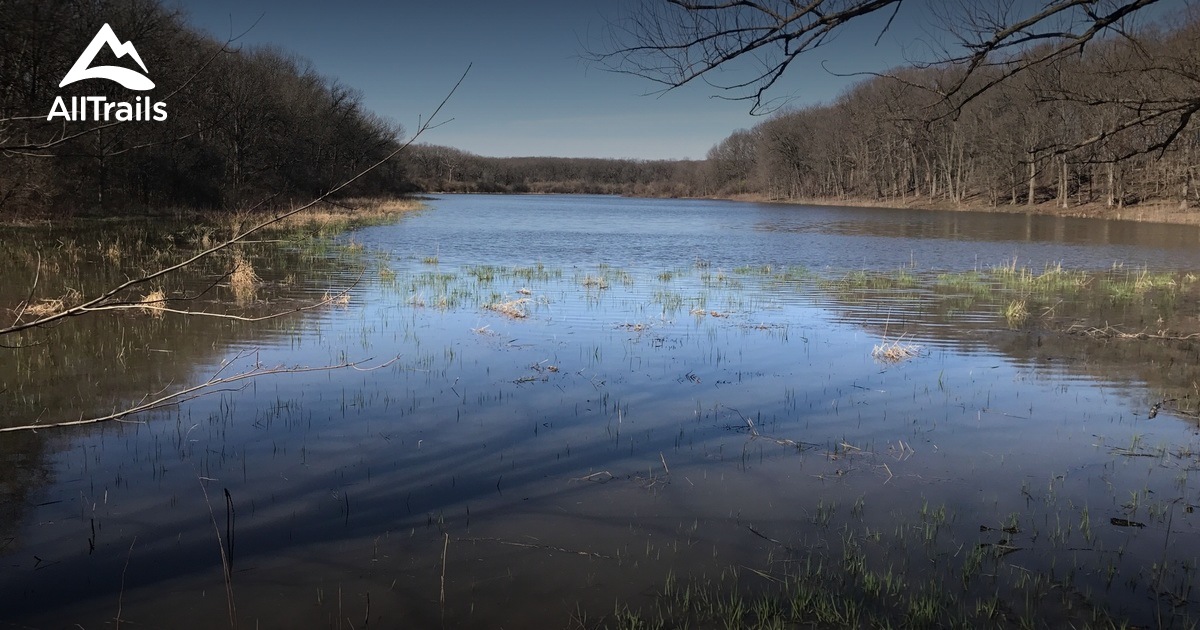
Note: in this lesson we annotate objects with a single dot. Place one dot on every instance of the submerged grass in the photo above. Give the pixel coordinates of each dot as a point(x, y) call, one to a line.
point(862, 578)
point(873, 280)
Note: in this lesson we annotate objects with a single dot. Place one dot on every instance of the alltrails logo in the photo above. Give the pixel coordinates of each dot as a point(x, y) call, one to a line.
point(99, 107)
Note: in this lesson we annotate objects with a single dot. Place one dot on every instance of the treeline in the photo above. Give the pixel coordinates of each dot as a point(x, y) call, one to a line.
point(244, 125)
point(444, 169)
point(1113, 124)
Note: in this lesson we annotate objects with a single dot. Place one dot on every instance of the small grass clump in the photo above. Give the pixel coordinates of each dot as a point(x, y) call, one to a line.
point(595, 282)
point(242, 279)
point(1016, 312)
point(510, 308)
point(970, 282)
point(1129, 285)
point(536, 273)
point(483, 274)
point(45, 307)
point(670, 300)
point(1053, 280)
point(858, 280)
point(793, 274)
point(50, 306)
point(152, 303)
point(340, 299)
point(750, 270)
point(114, 252)
point(895, 352)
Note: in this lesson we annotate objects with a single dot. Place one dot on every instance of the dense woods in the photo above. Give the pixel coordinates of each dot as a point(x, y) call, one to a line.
point(1113, 124)
point(244, 124)
point(446, 169)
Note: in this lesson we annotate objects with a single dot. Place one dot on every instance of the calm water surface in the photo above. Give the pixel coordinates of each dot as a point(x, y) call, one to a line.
point(692, 393)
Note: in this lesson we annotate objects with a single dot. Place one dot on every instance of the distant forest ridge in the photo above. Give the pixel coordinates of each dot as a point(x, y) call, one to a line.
point(1111, 126)
point(1115, 125)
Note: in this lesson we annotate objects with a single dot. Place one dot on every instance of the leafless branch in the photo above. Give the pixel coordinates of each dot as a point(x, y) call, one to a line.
point(675, 42)
point(209, 386)
point(106, 299)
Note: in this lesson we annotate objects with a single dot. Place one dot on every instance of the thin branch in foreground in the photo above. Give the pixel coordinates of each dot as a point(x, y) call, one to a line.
point(196, 391)
point(103, 299)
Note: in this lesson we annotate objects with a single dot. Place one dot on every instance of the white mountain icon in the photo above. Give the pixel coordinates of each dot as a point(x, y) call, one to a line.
point(126, 77)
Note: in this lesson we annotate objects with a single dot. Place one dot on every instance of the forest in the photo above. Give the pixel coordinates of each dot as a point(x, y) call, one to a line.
point(1110, 124)
point(1113, 125)
point(246, 125)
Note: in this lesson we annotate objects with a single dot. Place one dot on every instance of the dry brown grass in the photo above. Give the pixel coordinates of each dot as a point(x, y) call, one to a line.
point(152, 303)
point(328, 217)
point(341, 299)
point(1016, 313)
point(49, 306)
point(242, 279)
point(595, 282)
point(114, 252)
point(512, 308)
point(895, 352)
point(42, 308)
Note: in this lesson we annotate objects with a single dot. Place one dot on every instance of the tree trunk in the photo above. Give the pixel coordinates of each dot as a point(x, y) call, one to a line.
point(1063, 189)
point(1112, 192)
point(1032, 179)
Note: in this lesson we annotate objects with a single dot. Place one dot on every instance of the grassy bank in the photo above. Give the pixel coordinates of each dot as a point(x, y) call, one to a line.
point(325, 218)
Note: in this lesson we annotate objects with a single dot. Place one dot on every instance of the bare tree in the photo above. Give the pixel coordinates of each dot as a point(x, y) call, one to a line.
point(676, 42)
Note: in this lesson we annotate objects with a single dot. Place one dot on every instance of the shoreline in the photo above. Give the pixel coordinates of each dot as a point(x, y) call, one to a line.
point(331, 215)
point(1163, 212)
point(1154, 212)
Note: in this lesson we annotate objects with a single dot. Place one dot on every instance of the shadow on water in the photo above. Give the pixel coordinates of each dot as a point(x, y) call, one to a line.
point(562, 431)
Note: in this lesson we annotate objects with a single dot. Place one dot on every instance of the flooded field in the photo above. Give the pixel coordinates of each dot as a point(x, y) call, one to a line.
point(600, 412)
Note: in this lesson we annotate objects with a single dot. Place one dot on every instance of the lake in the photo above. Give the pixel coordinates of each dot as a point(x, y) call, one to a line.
point(589, 411)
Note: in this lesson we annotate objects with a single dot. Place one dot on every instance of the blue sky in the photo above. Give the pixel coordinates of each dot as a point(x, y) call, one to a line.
point(529, 91)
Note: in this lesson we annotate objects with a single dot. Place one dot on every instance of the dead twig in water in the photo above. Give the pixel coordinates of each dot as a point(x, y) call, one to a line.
point(769, 539)
point(594, 477)
point(513, 543)
point(442, 598)
point(121, 595)
point(226, 568)
point(1113, 332)
point(780, 441)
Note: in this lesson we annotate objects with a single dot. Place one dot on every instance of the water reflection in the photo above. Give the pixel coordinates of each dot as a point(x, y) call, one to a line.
point(700, 406)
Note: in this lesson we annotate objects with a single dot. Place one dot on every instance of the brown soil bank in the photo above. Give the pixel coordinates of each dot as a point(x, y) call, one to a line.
point(1151, 212)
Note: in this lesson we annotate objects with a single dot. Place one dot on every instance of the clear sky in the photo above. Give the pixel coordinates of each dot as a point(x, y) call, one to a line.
point(529, 91)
